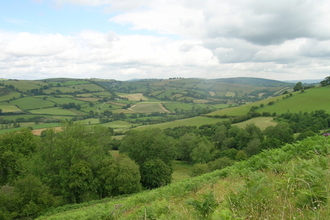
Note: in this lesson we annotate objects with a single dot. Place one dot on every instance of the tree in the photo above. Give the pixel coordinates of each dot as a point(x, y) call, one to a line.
point(298, 87)
point(67, 161)
point(155, 173)
point(186, 144)
point(326, 81)
point(31, 196)
point(202, 153)
point(128, 177)
point(148, 144)
point(281, 131)
point(145, 148)
point(14, 147)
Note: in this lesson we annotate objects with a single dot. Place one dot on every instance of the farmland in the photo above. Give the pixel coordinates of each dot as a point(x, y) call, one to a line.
point(138, 102)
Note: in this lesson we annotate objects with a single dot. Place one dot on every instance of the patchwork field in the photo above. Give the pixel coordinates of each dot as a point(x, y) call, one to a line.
point(145, 107)
point(6, 107)
point(11, 95)
point(196, 121)
point(261, 122)
point(134, 97)
point(27, 103)
point(56, 111)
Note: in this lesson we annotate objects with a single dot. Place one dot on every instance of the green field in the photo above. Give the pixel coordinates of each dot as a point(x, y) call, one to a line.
point(34, 126)
point(176, 105)
point(6, 107)
point(196, 121)
point(181, 171)
point(310, 100)
point(62, 101)
point(56, 111)
point(73, 82)
point(90, 87)
point(24, 85)
point(148, 107)
point(11, 95)
point(31, 103)
point(261, 122)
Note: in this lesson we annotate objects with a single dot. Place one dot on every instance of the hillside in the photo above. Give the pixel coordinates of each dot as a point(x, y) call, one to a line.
point(287, 183)
point(307, 101)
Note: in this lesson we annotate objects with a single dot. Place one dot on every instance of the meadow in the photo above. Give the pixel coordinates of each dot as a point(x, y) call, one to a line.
point(196, 121)
point(7, 107)
point(27, 103)
point(56, 111)
point(147, 107)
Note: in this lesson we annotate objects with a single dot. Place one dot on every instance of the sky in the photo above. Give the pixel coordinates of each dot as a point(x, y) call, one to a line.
point(138, 39)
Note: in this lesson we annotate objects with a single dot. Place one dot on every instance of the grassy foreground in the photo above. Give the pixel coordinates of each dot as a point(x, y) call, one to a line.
point(287, 183)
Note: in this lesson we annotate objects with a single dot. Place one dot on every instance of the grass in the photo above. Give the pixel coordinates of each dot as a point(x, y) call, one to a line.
point(196, 121)
point(90, 87)
point(6, 107)
point(56, 111)
point(61, 101)
point(181, 171)
point(310, 100)
point(9, 96)
point(34, 126)
point(102, 94)
point(118, 124)
point(24, 85)
point(133, 97)
point(176, 105)
point(261, 122)
point(146, 107)
point(31, 103)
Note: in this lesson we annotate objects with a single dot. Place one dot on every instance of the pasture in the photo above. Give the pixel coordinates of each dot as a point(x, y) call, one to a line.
point(133, 97)
point(310, 100)
point(181, 170)
point(56, 111)
point(90, 87)
point(61, 101)
point(6, 107)
point(196, 121)
point(261, 122)
point(9, 96)
point(148, 107)
point(27, 103)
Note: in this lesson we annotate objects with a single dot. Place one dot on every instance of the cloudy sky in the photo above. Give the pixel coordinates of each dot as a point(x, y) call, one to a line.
point(126, 39)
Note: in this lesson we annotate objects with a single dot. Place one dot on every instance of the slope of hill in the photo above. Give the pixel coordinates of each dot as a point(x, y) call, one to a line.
point(306, 101)
point(287, 183)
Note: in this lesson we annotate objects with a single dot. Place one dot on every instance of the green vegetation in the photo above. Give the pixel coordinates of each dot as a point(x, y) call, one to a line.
point(286, 183)
point(206, 166)
point(27, 103)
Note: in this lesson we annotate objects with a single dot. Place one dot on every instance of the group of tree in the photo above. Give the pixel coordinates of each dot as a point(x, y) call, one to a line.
point(71, 105)
point(71, 166)
point(326, 81)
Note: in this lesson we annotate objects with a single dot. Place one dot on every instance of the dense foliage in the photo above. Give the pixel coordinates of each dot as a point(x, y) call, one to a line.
point(75, 165)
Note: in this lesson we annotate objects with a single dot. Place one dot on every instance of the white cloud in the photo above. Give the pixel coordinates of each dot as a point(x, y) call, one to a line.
point(212, 38)
point(26, 44)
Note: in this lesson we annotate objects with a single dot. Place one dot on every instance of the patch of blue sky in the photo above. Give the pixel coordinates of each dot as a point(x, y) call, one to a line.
point(28, 16)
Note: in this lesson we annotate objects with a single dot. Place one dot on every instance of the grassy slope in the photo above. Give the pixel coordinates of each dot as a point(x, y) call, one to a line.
point(310, 100)
point(287, 183)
